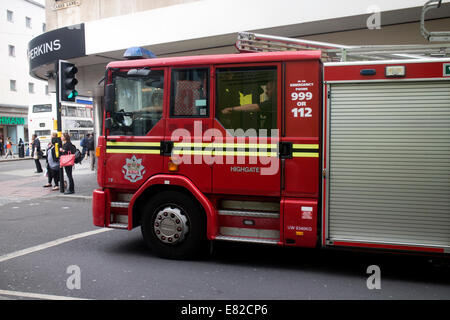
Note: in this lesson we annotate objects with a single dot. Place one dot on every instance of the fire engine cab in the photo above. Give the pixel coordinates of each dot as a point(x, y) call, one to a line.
point(277, 148)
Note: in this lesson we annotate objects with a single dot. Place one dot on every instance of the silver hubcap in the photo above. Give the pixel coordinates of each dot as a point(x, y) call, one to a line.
point(170, 225)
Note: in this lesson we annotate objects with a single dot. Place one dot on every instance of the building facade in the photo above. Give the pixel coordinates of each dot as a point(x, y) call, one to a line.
point(20, 21)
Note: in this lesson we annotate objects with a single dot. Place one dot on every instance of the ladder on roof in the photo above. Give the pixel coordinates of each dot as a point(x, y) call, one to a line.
point(255, 42)
point(434, 35)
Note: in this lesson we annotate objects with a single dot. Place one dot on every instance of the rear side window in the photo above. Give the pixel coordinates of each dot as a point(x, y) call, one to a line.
point(246, 98)
point(189, 93)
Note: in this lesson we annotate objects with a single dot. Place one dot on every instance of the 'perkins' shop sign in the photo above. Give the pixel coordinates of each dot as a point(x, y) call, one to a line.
point(59, 44)
point(12, 121)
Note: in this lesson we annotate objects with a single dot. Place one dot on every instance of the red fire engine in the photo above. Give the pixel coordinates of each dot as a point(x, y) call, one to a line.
point(278, 148)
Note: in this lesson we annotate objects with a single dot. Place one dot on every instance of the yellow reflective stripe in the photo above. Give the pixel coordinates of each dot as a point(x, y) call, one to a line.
point(192, 152)
point(305, 146)
point(245, 145)
point(225, 153)
point(305, 155)
point(189, 144)
point(138, 151)
point(224, 145)
point(133, 144)
point(246, 153)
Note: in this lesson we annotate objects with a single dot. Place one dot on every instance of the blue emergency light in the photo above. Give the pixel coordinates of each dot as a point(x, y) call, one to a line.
point(138, 53)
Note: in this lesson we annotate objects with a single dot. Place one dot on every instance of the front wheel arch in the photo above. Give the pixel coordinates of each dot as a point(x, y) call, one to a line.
point(139, 204)
point(174, 215)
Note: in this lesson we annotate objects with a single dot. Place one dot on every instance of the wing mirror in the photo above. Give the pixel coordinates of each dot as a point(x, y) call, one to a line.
point(110, 96)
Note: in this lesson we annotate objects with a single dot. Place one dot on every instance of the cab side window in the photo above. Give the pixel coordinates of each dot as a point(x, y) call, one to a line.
point(246, 98)
point(189, 93)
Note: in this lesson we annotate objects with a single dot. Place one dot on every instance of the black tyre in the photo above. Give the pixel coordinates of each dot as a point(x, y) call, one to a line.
point(174, 226)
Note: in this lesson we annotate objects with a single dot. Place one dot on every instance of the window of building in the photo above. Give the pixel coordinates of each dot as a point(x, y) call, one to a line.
point(12, 50)
point(30, 87)
point(28, 22)
point(12, 85)
point(246, 98)
point(189, 93)
point(9, 16)
point(44, 27)
point(46, 90)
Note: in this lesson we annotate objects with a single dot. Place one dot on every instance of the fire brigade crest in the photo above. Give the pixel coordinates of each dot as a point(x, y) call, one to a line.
point(133, 169)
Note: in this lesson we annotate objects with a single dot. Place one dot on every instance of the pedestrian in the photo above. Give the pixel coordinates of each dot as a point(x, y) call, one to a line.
point(21, 148)
point(49, 173)
point(52, 165)
point(57, 140)
point(9, 150)
point(68, 148)
point(36, 152)
point(1, 146)
point(91, 150)
point(83, 145)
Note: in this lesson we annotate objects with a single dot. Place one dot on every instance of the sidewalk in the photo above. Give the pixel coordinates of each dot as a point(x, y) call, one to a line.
point(28, 185)
point(16, 158)
point(85, 181)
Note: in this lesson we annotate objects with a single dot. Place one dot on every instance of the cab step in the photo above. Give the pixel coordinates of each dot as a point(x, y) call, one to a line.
point(118, 226)
point(252, 214)
point(119, 204)
point(247, 240)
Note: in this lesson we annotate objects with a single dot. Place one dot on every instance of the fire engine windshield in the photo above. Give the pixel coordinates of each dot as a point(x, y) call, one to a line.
point(138, 103)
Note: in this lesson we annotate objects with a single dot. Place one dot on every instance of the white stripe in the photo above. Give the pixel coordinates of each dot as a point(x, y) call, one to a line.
point(50, 244)
point(36, 295)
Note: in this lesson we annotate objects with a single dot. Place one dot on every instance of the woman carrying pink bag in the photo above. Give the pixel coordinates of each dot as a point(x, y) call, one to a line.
point(67, 160)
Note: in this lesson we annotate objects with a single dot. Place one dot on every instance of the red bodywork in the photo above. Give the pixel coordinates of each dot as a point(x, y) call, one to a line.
point(296, 177)
point(347, 73)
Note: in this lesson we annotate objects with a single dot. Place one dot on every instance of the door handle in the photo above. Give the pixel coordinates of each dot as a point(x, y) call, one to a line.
point(283, 187)
point(166, 148)
point(285, 150)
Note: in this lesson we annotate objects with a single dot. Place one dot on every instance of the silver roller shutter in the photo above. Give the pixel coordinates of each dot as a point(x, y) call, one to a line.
point(389, 163)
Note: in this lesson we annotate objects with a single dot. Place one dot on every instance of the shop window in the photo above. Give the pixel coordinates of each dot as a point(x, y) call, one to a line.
point(71, 111)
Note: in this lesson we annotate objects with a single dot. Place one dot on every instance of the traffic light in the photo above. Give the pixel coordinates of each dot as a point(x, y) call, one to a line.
point(67, 81)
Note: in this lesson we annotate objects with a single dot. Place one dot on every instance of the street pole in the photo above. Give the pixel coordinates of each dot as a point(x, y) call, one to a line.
point(59, 124)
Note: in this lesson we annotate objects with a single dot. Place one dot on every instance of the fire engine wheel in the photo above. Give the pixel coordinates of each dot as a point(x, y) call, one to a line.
point(173, 226)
